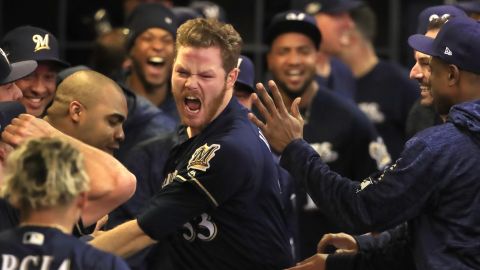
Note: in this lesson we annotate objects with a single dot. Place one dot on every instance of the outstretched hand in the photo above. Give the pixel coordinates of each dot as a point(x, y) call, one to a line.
point(280, 127)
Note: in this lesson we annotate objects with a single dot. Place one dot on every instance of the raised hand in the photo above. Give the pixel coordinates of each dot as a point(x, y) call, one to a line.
point(280, 127)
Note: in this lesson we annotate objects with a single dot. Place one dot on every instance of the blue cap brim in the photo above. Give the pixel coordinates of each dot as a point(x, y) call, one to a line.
point(469, 6)
point(422, 44)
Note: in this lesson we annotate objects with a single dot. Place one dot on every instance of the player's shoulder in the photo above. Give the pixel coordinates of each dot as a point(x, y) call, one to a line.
point(93, 258)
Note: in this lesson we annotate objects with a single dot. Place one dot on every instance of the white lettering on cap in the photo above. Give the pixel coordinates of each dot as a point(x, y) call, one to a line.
point(295, 17)
point(4, 56)
point(447, 51)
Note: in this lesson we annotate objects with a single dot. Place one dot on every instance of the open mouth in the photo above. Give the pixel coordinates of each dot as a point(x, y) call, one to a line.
point(294, 74)
point(156, 61)
point(192, 104)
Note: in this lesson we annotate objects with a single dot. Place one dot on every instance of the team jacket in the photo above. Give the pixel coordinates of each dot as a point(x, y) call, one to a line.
point(32, 247)
point(433, 185)
point(385, 95)
point(220, 206)
point(348, 142)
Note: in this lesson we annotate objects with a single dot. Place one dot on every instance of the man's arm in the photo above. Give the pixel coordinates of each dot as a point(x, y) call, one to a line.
point(124, 240)
point(381, 201)
point(111, 183)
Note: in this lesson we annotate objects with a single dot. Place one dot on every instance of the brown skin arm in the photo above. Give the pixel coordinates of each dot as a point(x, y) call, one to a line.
point(111, 184)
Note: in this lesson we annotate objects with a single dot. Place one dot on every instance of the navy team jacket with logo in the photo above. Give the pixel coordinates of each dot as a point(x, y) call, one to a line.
point(348, 142)
point(386, 95)
point(44, 248)
point(434, 185)
point(220, 205)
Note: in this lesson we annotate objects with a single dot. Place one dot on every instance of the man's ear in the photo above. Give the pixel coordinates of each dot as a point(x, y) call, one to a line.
point(453, 75)
point(232, 78)
point(76, 111)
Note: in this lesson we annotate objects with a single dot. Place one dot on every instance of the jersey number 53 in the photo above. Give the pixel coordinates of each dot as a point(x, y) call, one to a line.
point(201, 227)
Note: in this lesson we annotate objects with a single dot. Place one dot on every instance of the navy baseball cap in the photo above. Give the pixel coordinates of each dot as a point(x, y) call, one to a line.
point(209, 10)
point(332, 6)
point(457, 43)
point(150, 15)
point(293, 21)
point(184, 14)
point(246, 76)
point(8, 111)
point(431, 13)
point(10, 72)
point(469, 6)
point(32, 43)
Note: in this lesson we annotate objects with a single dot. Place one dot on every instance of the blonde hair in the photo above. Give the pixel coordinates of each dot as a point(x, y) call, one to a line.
point(205, 33)
point(43, 173)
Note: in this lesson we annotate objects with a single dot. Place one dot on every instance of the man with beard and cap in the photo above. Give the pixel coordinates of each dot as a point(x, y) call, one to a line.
point(433, 186)
point(150, 47)
point(338, 131)
point(422, 115)
point(33, 43)
point(212, 212)
point(387, 250)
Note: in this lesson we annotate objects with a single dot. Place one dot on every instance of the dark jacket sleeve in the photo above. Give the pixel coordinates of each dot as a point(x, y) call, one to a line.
point(388, 250)
point(380, 202)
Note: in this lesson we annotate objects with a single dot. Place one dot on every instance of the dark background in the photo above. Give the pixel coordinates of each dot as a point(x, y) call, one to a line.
point(71, 22)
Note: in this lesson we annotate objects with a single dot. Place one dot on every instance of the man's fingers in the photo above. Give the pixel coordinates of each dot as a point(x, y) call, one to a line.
point(101, 222)
point(295, 109)
point(261, 108)
point(277, 98)
point(327, 239)
point(344, 251)
point(257, 122)
point(266, 100)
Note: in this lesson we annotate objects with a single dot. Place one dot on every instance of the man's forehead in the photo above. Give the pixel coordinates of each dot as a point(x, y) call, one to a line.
point(293, 39)
point(204, 58)
point(157, 31)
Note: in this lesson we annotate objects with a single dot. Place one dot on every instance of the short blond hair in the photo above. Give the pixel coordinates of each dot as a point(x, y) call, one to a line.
point(43, 173)
point(205, 33)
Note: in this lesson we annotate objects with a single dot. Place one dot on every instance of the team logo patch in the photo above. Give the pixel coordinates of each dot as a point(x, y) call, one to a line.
point(325, 151)
point(33, 238)
point(378, 151)
point(41, 43)
point(372, 111)
point(371, 180)
point(200, 160)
